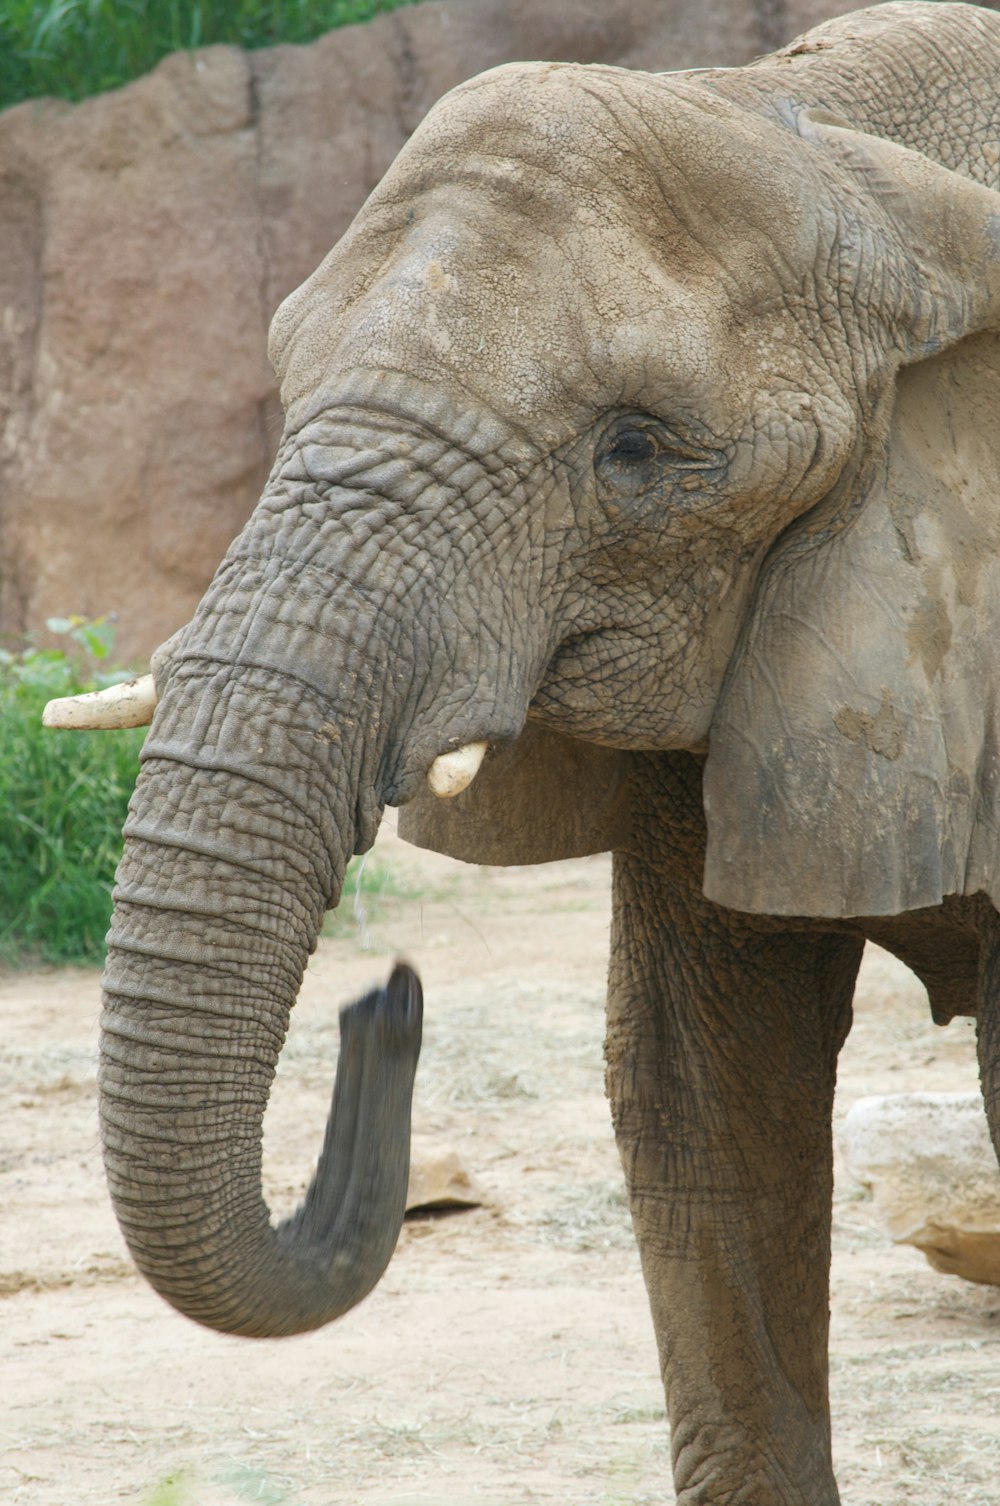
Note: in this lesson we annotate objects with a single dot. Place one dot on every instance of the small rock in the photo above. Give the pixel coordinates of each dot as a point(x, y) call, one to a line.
point(439, 1180)
point(933, 1173)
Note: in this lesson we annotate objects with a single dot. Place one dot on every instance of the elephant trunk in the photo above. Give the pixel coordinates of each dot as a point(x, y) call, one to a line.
point(290, 710)
point(219, 899)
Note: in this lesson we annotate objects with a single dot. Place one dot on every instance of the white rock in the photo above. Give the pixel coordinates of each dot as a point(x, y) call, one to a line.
point(930, 1164)
point(439, 1180)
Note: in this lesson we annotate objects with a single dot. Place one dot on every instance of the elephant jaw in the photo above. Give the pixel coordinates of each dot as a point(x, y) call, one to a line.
point(132, 705)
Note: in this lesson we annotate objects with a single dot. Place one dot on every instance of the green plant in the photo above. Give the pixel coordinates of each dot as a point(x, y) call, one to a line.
point(74, 48)
point(63, 798)
point(63, 801)
point(173, 1490)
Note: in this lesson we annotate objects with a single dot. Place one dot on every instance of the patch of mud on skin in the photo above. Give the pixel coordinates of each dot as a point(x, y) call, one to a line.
point(929, 634)
point(880, 733)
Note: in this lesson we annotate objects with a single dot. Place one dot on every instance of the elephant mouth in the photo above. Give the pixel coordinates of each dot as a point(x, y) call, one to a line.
point(618, 687)
point(569, 698)
point(446, 775)
point(447, 768)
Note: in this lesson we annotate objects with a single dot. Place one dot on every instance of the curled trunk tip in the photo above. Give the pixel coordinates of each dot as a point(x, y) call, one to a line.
point(268, 1282)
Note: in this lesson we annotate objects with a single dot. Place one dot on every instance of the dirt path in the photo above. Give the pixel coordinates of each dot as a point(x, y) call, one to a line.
point(507, 1356)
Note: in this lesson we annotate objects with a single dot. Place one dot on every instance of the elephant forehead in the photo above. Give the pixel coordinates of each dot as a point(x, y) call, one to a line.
point(572, 259)
point(538, 332)
point(640, 142)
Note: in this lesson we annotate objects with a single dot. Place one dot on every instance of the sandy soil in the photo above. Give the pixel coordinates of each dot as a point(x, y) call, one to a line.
point(507, 1356)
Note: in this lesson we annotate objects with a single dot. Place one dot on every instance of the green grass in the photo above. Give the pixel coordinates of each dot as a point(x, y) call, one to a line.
point(63, 798)
point(74, 48)
point(173, 1490)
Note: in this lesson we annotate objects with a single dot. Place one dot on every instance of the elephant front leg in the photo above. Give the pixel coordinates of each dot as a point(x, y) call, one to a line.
point(722, 1046)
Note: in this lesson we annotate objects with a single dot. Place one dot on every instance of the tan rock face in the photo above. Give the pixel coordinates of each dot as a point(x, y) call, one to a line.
point(932, 1170)
point(147, 235)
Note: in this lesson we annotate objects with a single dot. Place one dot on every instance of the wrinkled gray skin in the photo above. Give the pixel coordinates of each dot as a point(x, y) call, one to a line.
point(614, 437)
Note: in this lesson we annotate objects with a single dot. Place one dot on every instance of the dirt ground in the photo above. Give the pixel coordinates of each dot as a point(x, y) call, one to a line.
point(507, 1356)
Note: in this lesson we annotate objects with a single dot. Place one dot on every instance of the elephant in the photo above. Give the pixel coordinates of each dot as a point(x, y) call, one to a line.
point(637, 493)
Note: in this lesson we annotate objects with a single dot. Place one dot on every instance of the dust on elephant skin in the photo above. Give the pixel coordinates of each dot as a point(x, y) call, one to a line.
point(605, 479)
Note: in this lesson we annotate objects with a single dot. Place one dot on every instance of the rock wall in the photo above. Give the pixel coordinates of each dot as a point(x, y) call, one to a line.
point(147, 235)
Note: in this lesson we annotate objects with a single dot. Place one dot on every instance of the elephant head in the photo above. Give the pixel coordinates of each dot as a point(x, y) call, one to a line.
point(613, 424)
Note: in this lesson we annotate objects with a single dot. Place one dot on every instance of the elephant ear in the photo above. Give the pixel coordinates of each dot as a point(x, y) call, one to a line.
point(854, 762)
point(544, 797)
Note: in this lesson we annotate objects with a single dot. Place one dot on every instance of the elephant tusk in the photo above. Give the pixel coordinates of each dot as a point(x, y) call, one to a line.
point(130, 704)
point(451, 773)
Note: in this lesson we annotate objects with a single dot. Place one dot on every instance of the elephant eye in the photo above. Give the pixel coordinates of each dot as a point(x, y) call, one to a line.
point(633, 445)
point(638, 456)
point(628, 459)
